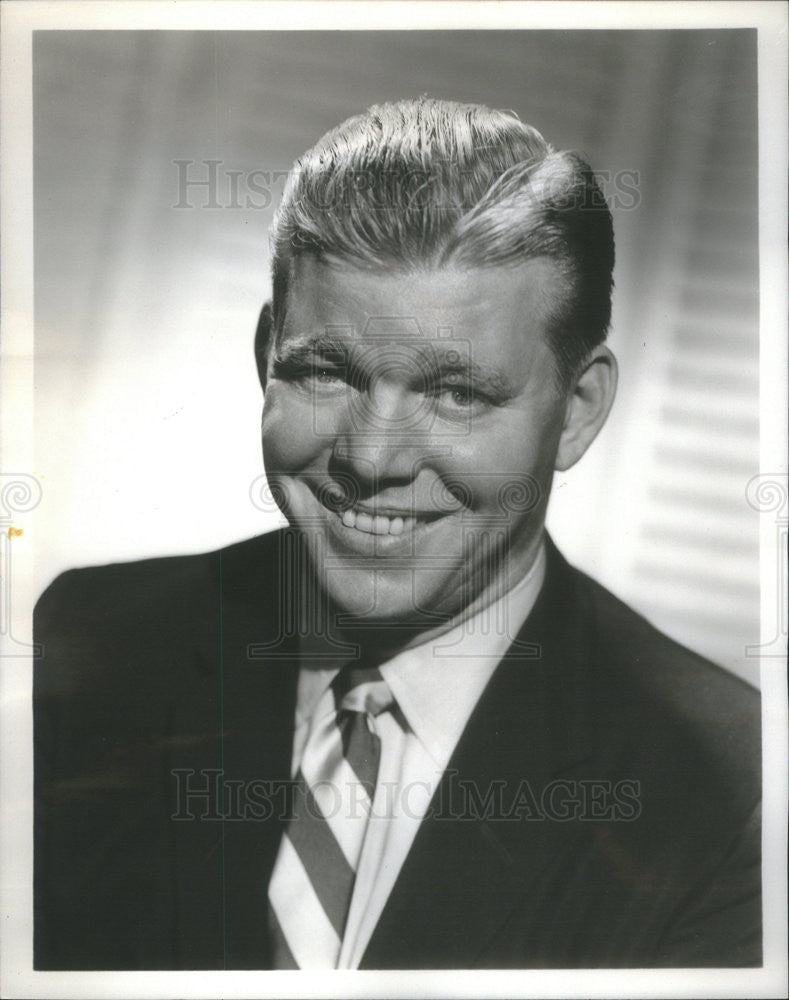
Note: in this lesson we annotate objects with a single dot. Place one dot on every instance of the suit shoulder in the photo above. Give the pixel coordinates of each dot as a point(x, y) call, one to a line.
point(627, 636)
point(136, 619)
point(121, 589)
point(673, 703)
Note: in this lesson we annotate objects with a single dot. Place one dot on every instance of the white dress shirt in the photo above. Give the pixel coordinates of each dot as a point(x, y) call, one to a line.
point(436, 686)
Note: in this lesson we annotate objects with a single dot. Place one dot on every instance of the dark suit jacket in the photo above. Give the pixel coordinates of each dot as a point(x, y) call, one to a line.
point(600, 809)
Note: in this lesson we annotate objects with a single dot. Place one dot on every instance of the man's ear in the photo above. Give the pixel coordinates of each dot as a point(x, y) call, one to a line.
point(263, 338)
point(588, 405)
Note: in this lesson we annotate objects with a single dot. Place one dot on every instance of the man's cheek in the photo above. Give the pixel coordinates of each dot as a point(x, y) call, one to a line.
point(289, 438)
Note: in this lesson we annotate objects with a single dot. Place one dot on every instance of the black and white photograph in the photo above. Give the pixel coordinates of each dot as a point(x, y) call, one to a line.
point(394, 518)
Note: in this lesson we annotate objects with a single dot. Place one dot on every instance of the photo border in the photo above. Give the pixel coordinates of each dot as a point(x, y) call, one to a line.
point(19, 20)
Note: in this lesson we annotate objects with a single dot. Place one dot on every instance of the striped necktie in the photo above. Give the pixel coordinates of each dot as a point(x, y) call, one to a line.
point(313, 878)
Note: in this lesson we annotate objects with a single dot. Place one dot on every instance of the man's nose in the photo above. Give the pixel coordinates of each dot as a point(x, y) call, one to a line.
point(382, 434)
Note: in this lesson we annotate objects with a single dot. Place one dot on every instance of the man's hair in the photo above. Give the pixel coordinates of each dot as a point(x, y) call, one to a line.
point(428, 183)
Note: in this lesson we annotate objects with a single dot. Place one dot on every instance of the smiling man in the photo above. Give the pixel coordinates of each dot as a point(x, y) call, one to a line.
point(403, 732)
point(388, 444)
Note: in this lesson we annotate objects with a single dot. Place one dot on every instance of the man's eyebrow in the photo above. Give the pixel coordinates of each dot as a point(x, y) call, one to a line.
point(448, 361)
point(436, 362)
point(308, 348)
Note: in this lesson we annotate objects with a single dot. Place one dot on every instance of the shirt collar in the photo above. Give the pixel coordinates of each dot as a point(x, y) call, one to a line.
point(438, 683)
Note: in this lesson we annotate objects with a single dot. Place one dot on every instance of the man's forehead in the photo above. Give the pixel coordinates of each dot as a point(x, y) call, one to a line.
point(419, 301)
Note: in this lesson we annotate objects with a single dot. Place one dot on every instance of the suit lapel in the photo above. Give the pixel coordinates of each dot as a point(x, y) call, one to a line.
point(260, 668)
point(245, 706)
point(466, 871)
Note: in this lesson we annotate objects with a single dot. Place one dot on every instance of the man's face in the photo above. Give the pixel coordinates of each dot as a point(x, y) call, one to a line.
point(410, 427)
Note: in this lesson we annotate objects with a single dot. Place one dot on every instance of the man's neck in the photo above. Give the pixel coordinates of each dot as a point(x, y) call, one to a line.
point(380, 640)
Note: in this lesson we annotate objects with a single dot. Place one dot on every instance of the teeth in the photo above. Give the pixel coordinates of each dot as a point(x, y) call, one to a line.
point(363, 522)
point(378, 525)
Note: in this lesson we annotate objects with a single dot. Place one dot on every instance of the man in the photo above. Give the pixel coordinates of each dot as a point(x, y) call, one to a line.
point(403, 733)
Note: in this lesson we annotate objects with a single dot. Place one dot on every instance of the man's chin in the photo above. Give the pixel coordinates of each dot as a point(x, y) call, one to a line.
point(381, 612)
point(369, 608)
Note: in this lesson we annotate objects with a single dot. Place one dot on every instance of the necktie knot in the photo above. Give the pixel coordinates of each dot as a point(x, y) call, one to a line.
point(361, 689)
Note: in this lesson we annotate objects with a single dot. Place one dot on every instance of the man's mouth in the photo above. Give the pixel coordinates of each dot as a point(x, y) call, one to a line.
point(376, 524)
point(385, 524)
point(377, 521)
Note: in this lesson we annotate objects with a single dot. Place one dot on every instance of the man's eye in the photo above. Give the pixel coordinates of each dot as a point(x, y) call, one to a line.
point(308, 374)
point(323, 377)
point(458, 395)
point(463, 397)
